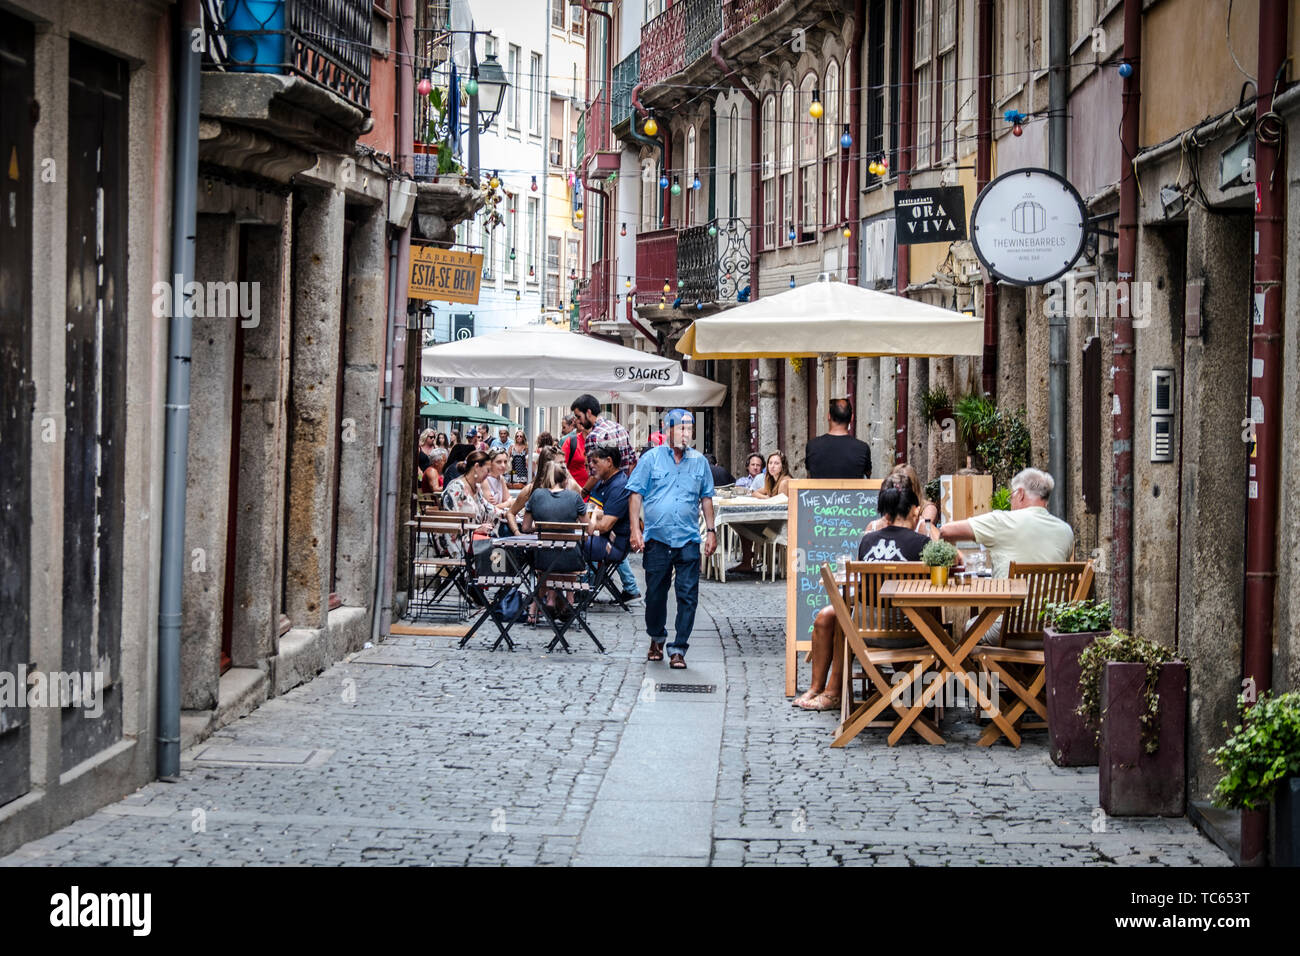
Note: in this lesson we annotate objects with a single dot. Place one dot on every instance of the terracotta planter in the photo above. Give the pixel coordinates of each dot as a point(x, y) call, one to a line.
point(1072, 741)
point(1286, 823)
point(1132, 782)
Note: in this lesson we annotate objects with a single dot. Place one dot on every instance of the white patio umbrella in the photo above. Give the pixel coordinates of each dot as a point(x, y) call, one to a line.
point(538, 357)
point(695, 391)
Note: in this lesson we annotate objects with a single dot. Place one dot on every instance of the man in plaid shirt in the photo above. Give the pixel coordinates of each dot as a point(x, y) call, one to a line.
point(606, 431)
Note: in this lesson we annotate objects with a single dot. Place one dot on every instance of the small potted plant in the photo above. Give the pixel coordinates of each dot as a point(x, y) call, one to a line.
point(936, 405)
point(1133, 692)
point(1069, 627)
point(939, 556)
point(1001, 500)
point(1261, 765)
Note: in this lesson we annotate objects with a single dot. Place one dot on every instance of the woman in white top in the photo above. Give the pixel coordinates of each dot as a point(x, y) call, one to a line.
point(778, 477)
point(494, 486)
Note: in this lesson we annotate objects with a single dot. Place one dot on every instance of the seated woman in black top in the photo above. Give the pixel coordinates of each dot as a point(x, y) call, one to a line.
point(896, 542)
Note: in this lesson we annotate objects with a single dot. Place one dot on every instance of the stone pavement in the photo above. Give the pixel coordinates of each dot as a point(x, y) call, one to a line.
point(414, 752)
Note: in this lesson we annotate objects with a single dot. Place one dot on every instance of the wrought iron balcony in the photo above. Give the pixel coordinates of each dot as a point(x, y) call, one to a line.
point(742, 14)
point(713, 268)
point(626, 75)
point(663, 45)
point(324, 41)
point(703, 23)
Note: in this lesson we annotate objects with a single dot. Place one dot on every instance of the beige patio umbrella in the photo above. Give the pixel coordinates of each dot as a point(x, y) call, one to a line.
point(833, 319)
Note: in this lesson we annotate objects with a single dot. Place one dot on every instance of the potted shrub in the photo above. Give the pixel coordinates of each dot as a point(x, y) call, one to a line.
point(939, 556)
point(1261, 765)
point(1001, 500)
point(1068, 629)
point(936, 405)
point(1134, 693)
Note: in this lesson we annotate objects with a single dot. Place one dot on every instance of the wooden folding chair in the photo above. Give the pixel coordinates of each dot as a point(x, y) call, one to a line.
point(1018, 663)
point(884, 637)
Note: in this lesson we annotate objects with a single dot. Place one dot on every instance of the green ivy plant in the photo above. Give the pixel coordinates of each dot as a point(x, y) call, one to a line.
point(1122, 648)
point(1006, 445)
point(1001, 500)
point(939, 554)
point(1077, 617)
point(1264, 750)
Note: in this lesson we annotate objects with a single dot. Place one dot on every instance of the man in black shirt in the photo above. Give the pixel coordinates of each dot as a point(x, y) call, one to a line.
point(721, 477)
point(837, 454)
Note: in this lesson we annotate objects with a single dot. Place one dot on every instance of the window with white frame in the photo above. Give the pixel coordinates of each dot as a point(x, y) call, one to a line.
point(557, 151)
point(831, 93)
point(512, 94)
point(809, 160)
point(1010, 56)
point(553, 272)
point(534, 238)
point(688, 193)
point(535, 96)
point(577, 20)
point(769, 172)
point(786, 226)
point(946, 47)
point(512, 229)
point(557, 14)
point(1084, 19)
point(923, 80)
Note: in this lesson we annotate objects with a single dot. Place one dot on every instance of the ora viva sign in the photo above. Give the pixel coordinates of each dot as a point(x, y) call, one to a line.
point(1028, 226)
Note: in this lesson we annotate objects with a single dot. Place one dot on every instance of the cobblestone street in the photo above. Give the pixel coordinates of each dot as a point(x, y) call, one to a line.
point(415, 752)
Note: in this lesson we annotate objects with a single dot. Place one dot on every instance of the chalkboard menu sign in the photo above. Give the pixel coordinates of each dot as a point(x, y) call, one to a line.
point(826, 521)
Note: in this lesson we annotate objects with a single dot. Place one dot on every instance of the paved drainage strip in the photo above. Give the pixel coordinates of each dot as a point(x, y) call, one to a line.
point(685, 688)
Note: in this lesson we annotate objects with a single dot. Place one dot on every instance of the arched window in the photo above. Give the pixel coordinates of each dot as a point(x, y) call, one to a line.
point(733, 152)
point(787, 165)
point(808, 162)
point(769, 172)
point(688, 194)
point(831, 167)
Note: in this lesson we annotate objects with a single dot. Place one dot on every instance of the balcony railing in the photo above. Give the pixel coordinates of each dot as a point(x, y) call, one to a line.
point(703, 22)
point(595, 303)
point(663, 45)
point(597, 127)
point(626, 75)
point(324, 41)
point(742, 14)
point(656, 263)
point(713, 268)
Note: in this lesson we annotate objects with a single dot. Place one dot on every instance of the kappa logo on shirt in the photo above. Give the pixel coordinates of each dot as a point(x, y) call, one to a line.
point(884, 550)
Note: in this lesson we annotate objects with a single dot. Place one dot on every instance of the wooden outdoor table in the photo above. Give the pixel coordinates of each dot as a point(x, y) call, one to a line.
point(922, 602)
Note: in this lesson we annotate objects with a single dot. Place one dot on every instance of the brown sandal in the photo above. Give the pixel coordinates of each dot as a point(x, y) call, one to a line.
point(656, 652)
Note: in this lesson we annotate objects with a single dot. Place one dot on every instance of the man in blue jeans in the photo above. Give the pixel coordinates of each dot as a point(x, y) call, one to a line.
point(671, 483)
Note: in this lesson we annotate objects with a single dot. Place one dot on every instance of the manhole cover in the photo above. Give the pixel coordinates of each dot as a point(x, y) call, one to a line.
point(235, 755)
point(685, 688)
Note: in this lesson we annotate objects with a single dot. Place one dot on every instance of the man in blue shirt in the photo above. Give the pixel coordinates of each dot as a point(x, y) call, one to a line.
point(670, 484)
point(609, 522)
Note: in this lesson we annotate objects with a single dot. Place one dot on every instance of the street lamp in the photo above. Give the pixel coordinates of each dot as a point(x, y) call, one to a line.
point(492, 85)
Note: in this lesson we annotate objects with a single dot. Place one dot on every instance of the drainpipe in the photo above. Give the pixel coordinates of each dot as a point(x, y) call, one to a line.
point(637, 323)
point(849, 190)
point(755, 180)
point(1121, 587)
point(1059, 368)
point(984, 173)
point(177, 441)
point(1262, 505)
point(399, 257)
point(903, 269)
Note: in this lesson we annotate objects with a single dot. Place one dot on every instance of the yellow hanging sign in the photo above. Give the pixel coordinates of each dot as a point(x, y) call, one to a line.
point(444, 274)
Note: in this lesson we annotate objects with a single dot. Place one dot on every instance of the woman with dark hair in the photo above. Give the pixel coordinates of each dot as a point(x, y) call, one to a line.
point(441, 441)
point(455, 459)
point(777, 481)
point(904, 475)
point(895, 542)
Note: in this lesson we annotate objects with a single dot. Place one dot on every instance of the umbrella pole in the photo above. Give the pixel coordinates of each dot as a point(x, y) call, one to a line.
point(828, 378)
point(532, 413)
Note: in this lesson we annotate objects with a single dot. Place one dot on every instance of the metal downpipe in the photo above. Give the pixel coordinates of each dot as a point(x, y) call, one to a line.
point(903, 267)
point(1059, 368)
point(177, 413)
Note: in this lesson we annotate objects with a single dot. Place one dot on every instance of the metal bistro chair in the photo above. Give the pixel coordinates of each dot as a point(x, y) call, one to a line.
point(434, 565)
point(1018, 663)
point(565, 537)
point(876, 635)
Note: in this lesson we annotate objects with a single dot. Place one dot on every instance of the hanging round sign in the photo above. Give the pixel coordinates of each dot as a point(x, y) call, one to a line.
point(1028, 226)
